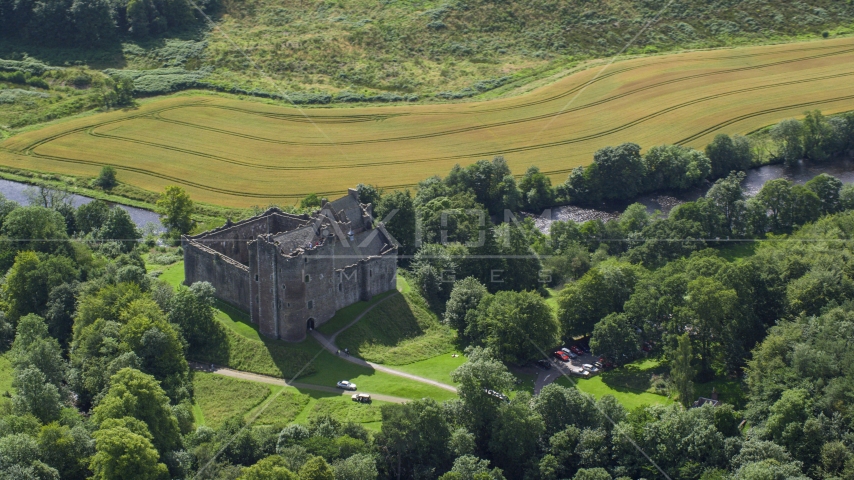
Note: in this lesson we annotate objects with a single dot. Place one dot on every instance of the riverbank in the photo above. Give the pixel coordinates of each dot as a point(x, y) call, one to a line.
point(138, 202)
point(663, 202)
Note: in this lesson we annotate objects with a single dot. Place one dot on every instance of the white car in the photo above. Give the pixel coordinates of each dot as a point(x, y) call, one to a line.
point(346, 385)
point(590, 368)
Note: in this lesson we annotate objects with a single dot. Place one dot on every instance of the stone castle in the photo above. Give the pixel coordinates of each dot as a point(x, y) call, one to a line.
point(293, 272)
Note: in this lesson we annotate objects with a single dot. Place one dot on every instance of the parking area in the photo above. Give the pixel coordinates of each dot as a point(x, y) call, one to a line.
point(577, 360)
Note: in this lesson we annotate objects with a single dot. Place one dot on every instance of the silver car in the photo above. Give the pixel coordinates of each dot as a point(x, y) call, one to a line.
point(346, 385)
point(569, 352)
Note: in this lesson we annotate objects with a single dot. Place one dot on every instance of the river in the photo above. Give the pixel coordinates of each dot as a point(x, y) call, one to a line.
point(756, 177)
point(17, 192)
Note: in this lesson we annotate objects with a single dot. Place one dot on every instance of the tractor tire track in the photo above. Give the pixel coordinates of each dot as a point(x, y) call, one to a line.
point(462, 129)
point(526, 148)
point(331, 192)
point(205, 102)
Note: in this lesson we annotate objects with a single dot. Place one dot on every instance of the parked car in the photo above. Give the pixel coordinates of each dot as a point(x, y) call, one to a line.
point(361, 398)
point(544, 364)
point(585, 347)
point(498, 395)
point(590, 368)
point(561, 356)
point(597, 364)
point(569, 353)
point(647, 347)
point(576, 350)
point(346, 385)
point(583, 373)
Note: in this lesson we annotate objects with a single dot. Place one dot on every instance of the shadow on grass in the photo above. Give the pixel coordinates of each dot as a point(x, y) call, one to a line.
point(349, 313)
point(237, 344)
point(388, 325)
point(632, 378)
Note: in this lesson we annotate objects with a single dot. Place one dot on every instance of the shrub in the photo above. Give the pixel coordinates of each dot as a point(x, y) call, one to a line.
point(107, 178)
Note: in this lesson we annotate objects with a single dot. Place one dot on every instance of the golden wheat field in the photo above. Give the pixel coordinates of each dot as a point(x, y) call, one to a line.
point(243, 153)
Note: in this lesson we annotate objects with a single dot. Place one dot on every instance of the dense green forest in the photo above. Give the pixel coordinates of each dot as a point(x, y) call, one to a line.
point(101, 385)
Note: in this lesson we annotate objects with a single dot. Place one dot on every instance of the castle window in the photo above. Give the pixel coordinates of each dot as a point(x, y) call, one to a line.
point(283, 287)
point(289, 305)
point(310, 304)
point(340, 287)
point(256, 277)
point(370, 273)
point(307, 278)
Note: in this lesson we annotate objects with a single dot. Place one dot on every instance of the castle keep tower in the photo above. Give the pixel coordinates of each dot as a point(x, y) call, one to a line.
point(293, 272)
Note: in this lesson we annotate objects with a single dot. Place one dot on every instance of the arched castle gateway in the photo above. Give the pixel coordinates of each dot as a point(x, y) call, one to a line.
point(293, 272)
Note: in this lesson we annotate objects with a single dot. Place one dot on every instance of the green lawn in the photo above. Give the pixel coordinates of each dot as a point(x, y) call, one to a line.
point(173, 274)
point(348, 314)
point(220, 398)
point(629, 398)
point(6, 375)
point(630, 384)
point(329, 369)
point(399, 331)
point(282, 407)
point(438, 368)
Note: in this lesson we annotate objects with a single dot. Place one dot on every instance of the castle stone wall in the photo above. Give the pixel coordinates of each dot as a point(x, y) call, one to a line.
point(290, 271)
point(230, 278)
point(233, 240)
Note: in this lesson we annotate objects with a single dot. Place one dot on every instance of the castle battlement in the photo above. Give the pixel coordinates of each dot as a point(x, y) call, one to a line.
point(293, 272)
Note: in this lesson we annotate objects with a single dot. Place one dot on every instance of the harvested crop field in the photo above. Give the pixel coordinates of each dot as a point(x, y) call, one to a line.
point(242, 153)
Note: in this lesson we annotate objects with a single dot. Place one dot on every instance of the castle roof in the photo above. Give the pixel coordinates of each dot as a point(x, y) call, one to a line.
point(350, 205)
point(301, 237)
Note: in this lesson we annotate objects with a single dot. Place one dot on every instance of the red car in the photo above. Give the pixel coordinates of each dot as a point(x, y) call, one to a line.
point(576, 350)
point(562, 356)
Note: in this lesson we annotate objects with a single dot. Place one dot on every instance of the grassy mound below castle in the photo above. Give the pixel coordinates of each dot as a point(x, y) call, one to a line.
point(399, 331)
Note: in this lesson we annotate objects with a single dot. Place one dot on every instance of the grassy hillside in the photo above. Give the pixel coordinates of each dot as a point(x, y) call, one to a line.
point(390, 50)
point(430, 46)
point(238, 153)
point(399, 331)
